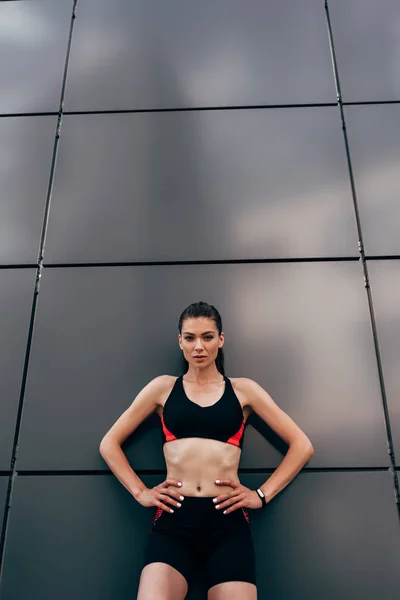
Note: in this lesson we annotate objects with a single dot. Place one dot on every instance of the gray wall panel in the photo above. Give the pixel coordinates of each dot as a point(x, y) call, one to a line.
point(227, 152)
point(385, 287)
point(314, 532)
point(367, 46)
point(155, 54)
point(26, 148)
point(33, 47)
point(301, 330)
point(374, 137)
point(201, 186)
point(16, 294)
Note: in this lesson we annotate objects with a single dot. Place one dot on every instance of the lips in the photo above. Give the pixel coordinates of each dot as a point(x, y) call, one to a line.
point(201, 356)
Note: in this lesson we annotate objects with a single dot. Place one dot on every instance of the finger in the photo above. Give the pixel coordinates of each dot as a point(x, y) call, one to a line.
point(168, 482)
point(233, 507)
point(227, 495)
point(230, 482)
point(230, 500)
point(173, 493)
point(167, 499)
point(164, 506)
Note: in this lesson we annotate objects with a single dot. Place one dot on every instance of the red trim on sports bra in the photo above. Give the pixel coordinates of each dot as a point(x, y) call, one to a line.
point(235, 439)
point(168, 435)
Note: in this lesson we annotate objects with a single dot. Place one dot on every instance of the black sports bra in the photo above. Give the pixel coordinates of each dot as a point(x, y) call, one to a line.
point(221, 421)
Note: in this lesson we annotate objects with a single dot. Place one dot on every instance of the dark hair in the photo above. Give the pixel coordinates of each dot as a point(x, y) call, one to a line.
point(203, 309)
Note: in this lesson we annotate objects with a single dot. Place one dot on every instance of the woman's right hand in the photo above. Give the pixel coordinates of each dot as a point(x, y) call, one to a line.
point(160, 494)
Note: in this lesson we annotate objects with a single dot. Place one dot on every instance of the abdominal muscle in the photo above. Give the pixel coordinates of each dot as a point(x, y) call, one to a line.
point(198, 462)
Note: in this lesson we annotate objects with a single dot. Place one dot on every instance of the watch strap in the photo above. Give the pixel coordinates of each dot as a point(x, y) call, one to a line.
point(262, 496)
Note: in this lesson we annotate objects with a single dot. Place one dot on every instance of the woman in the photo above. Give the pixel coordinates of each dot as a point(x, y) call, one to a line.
point(201, 517)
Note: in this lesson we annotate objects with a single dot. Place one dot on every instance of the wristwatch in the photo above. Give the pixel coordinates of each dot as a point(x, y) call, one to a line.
point(262, 496)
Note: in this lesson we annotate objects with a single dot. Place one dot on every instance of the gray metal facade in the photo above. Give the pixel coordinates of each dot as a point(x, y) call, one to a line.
point(154, 154)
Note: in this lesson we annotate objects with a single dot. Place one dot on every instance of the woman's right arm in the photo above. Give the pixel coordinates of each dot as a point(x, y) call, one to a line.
point(142, 406)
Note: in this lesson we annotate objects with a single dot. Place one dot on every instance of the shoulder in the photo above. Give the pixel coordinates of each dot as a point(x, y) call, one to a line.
point(241, 383)
point(243, 388)
point(164, 385)
point(250, 390)
point(165, 381)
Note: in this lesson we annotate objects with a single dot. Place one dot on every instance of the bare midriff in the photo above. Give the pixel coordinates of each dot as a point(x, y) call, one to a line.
point(198, 462)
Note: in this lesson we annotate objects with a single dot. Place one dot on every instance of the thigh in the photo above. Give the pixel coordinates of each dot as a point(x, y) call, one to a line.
point(161, 581)
point(233, 590)
point(167, 549)
point(232, 559)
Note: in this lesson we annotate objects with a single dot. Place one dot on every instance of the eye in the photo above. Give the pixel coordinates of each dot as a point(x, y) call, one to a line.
point(207, 337)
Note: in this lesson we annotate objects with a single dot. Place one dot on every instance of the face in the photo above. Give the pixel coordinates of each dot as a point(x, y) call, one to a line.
point(200, 337)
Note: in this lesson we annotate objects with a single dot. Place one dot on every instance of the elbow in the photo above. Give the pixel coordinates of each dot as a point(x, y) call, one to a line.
point(104, 445)
point(310, 450)
point(307, 452)
point(306, 446)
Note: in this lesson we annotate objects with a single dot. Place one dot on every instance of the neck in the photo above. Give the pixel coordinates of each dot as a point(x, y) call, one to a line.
point(203, 375)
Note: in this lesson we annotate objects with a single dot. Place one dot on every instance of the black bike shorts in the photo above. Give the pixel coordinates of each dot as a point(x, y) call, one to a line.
point(197, 535)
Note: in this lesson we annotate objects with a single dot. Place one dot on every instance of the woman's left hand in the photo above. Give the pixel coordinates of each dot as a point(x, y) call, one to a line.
point(240, 497)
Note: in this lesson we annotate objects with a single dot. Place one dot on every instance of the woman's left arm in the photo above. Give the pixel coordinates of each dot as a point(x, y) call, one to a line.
point(300, 446)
